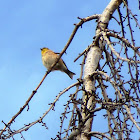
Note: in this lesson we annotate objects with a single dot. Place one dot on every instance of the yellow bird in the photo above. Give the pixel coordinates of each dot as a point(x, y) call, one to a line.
point(49, 57)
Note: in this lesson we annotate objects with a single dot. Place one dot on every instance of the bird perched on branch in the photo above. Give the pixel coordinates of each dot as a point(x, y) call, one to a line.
point(49, 57)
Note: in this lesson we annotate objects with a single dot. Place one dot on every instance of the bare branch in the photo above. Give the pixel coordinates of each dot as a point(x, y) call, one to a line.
point(98, 133)
point(115, 53)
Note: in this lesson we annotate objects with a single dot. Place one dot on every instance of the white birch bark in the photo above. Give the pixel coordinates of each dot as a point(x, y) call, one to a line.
point(92, 60)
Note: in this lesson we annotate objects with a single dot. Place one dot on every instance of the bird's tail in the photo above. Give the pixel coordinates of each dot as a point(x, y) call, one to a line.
point(69, 73)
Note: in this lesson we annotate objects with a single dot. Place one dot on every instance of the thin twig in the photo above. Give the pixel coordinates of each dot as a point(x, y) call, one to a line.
point(115, 53)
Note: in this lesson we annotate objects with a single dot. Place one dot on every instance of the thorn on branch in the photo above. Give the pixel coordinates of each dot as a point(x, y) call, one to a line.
point(4, 123)
point(80, 81)
point(79, 18)
point(82, 19)
point(34, 91)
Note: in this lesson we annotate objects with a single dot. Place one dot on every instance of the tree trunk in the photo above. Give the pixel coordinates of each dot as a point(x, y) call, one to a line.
point(91, 64)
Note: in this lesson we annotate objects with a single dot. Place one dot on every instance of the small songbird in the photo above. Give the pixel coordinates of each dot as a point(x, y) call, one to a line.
point(49, 57)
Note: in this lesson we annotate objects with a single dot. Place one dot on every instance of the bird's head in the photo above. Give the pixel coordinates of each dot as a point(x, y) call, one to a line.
point(44, 50)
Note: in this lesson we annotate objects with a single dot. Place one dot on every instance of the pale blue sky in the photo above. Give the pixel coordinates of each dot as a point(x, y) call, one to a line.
point(25, 27)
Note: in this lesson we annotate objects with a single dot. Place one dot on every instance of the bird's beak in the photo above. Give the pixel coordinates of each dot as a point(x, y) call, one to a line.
point(41, 49)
